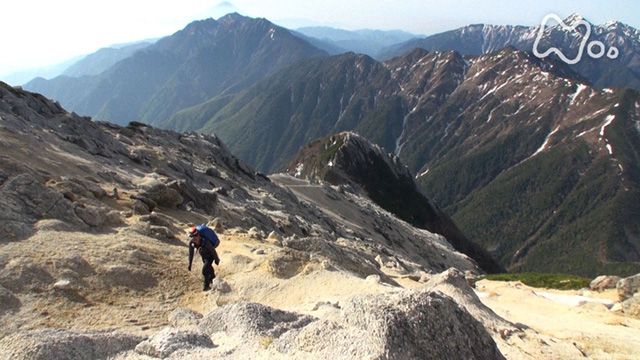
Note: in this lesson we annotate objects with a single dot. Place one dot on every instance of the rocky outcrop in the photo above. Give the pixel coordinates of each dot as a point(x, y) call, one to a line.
point(60, 344)
point(349, 160)
point(453, 284)
point(402, 325)
point(252, 320)
point(169, 340)
point(182, 317)
point(604, 282)
point(163, 195)
point(628, 286)
point(25, 199)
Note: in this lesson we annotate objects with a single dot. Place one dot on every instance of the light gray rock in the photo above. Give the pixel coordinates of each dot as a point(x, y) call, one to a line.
point(220, 286)
point(182, 317)
point(63, 284)
point(251, 320)
point(402, 325)
point(170, 340)
point(61, 344)
point(628, 286)
point(454, 284)
point(604, 282)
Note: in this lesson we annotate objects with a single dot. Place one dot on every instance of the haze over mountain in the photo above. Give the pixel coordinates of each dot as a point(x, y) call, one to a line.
point(624, 71)
point(207, 58)
point(471, 127)
point(103, 59)
point(365, 41)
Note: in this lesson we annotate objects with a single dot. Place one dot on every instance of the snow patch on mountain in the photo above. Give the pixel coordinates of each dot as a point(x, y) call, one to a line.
point(607, 121)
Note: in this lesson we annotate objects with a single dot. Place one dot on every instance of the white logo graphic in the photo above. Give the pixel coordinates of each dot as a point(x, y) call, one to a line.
point(595, 49)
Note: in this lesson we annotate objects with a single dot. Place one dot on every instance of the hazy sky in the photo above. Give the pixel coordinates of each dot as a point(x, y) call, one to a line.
point(44, 32)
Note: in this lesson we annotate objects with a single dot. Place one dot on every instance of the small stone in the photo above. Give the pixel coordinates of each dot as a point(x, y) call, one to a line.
point(220, 286)
point(63, 284)
point(255, 233)
point(274, 238)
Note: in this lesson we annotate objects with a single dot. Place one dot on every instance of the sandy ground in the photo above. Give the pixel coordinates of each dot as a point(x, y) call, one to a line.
point(574, 317)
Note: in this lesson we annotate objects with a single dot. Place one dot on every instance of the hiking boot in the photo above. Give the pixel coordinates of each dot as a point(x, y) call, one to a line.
point(207, 287)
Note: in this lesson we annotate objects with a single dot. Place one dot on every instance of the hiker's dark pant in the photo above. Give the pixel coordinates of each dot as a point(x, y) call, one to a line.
point(207, 267)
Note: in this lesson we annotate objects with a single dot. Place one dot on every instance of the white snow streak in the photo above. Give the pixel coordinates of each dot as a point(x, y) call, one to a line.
point(610, 149)
point(607, 121)
point(573, 96)
point(546, 141)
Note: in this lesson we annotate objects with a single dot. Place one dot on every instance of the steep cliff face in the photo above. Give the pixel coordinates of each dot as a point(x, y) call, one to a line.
point(349, 159)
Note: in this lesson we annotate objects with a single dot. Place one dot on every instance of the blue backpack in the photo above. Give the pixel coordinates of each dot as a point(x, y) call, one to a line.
point(207, 233)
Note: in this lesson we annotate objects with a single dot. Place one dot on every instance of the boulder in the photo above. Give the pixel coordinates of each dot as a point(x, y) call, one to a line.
point(220, 286)
point(24, 201)
point(274, 238)
point(631, 306)
point(252, 320)
point(454, 284)
point(205, 200)
point(182, 317)
point(628, 286)
point(157, 219)
point(163, 195)
point(213, 172)
point(604, 282)
point(140, 208)
point(92, 215)
point(150, 204)
point(61, 344)
point(401, 325)
point(170, 340)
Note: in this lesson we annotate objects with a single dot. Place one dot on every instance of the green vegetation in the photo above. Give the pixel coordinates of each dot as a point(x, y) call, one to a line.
point(542, 280)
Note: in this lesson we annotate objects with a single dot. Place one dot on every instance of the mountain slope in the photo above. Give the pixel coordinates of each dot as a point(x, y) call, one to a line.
point(349, 159)
point(469, 126)
point(478, 39)
point(267, 124)
point(205, 59)
point(103, 59)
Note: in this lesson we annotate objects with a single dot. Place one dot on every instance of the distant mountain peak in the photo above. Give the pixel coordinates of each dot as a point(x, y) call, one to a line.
point(574, 18)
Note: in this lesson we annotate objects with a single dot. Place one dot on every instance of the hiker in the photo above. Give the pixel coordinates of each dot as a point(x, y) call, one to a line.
point(205, 240)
